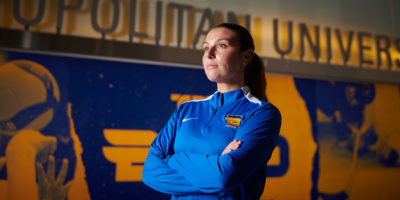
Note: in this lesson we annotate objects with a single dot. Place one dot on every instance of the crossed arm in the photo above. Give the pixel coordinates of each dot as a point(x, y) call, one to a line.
point(160, 176)
point(185, 173)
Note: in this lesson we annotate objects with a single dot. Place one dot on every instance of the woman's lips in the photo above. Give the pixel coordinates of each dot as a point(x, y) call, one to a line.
point(211, 66)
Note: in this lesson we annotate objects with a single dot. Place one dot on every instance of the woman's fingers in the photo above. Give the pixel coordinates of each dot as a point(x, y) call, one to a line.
point(234, 145)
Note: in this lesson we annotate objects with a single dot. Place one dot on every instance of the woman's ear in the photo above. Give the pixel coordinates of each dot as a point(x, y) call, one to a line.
point(247, 56)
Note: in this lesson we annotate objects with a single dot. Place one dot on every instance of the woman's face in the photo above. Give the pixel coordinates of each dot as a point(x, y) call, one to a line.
point(223, 61)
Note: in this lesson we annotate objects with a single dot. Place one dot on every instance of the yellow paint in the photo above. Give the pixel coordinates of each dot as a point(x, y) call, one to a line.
point(129, 137)
point(198, 97)
point(128, 153)
point(20, 89)
point(79, 188)
point(365, 177)
point(29, 146)
point(384, 113)
point(296, 129)
point(180, 98)
point(3, 189)
point(25, 149)
point(374, 181)
point(275, 158)
point(123, 157)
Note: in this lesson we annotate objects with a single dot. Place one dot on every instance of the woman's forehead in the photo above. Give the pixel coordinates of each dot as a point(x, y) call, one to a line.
point(220, 33)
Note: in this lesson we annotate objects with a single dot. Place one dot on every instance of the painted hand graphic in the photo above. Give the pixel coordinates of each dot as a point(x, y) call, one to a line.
point(50, 187)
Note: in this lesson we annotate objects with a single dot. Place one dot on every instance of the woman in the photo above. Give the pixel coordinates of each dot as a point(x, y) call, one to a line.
point(217, 148)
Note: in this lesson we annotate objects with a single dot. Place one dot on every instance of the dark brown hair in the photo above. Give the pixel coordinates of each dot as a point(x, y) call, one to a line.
point(254, 74)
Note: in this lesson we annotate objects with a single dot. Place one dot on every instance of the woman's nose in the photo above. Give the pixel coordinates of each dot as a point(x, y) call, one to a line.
point(210, 53)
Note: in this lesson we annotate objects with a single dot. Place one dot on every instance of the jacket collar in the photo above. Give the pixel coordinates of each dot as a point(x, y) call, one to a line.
point(220, 99)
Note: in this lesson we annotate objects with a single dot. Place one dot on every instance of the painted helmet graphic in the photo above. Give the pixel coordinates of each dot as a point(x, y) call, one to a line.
point(29, 95)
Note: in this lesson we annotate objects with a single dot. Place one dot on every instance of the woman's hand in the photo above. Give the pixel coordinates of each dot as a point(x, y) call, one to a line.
point(234, 145)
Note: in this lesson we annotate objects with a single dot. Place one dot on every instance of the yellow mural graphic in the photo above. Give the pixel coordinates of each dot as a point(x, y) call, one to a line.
point(350, 123)
point(29, 94)
point(296, 129)
point(180, 98)
point(377, 174)
point(79, 187)
point(362, 163)
point(129, 151)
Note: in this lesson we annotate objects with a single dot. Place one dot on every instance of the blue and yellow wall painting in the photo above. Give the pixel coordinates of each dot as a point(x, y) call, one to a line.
point(80, 128)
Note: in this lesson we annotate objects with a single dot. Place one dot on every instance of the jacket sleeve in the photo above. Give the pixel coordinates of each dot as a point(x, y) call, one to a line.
point(214, 173)
point(156, 172)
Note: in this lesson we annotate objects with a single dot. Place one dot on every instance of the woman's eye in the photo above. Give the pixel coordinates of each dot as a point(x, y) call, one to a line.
point(222, 46)
point(205, 48)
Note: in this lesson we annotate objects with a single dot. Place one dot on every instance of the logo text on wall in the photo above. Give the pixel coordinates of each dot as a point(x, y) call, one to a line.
point(327, 45)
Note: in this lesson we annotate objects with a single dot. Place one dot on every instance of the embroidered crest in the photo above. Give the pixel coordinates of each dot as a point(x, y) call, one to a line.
point(233, 121)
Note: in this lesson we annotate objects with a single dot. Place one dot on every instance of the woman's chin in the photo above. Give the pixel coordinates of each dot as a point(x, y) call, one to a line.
point(211, 77)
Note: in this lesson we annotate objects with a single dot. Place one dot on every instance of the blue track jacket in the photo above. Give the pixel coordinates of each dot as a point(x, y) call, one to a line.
point(185, 158)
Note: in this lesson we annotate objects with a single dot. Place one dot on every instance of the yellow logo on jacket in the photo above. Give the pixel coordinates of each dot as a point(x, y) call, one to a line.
point(233, 120)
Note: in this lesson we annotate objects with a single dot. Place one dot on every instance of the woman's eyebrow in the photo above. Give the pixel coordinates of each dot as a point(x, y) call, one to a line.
point(229, 40)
